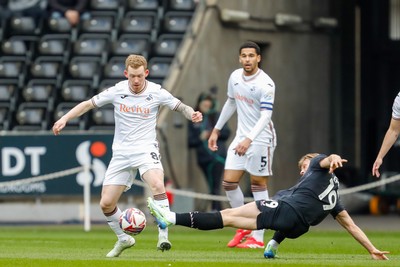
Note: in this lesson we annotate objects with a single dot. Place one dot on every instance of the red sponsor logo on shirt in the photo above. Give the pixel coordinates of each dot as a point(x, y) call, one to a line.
point(134, 109)
point(245, 99)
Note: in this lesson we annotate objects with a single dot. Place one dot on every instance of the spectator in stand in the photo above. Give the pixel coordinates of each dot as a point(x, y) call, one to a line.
point(73, 11)
point(211, 162)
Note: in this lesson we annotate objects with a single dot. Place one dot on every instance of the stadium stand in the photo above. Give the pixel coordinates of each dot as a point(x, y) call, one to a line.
point(47, 66)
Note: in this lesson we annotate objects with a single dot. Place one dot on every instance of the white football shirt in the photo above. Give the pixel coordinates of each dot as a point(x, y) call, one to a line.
point(135, 114)
point(396, 108)
point(253, 94)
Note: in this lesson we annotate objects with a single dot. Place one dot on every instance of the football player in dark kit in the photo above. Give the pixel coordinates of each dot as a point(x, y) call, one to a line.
point(291, 214)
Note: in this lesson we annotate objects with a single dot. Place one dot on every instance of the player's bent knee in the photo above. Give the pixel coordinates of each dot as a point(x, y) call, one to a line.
point(229, 186)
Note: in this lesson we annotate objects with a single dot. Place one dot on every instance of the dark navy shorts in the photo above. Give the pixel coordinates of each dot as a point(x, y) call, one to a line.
point(280, 216)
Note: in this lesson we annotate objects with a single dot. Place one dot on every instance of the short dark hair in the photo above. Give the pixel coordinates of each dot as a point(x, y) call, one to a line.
point(250, 44)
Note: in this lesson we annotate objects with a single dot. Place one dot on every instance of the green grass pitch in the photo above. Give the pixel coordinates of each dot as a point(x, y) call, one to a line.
point(69, 245)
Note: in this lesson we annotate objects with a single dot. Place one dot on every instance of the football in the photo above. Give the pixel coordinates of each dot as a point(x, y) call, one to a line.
point(132, 221)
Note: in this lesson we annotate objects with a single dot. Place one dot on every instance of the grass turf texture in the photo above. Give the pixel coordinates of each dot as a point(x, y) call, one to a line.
point(69, 245)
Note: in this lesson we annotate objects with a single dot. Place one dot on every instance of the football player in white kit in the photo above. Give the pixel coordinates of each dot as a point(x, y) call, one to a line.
point(136, 104)
point(390, 137)
point(251, 93)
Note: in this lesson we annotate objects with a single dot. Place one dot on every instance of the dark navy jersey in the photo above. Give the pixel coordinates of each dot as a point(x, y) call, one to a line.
point(315, 195)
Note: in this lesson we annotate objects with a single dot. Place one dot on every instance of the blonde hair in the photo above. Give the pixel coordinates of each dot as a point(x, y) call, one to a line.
point(135, 61)
point(307, 156)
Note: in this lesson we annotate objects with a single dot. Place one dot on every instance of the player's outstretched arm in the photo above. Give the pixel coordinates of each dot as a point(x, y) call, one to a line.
point(344, 219)
point(76, 111)
point(189, 113)
point(390, 138)
point(332, 162)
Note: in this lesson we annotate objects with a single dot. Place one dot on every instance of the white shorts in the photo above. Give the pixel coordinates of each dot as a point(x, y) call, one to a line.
point(123, 167)
point(257, 160)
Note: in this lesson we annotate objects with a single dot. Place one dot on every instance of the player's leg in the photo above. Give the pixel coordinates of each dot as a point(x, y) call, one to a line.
point(117, 180)
point(236, 199)
point(109, 197)
point(259, 165)
point(155, 179)
point(272, 247)
point(241, 217)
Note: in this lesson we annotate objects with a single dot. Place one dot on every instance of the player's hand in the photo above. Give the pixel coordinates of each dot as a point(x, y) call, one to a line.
point(197, 116)
point(375, 168)
point(242, 147)
point(212, 140)
point(379, 255)
point(336, 162)
point(58, 126)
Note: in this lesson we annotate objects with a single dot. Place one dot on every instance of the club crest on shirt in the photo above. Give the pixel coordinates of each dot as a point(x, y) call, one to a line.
point(149, 98)
point(268, 96)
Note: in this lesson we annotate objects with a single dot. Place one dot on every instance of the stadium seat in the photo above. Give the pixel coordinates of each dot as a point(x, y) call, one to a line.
point(76, 90)
point(59, 25)
point(104, 4)
point(131, 44)
point(40, 90)
point(167, 44)
point(115, 68)
point(24, 25)
point(12, 66)
point(5, 116)
point(143, 4)
point(47, 67)
point(99, 22)
point(14, 46)
point(74, 124)
point(54, 44)
point(159, 67)
point(103, 116)
point(107, 83)
point(182, 4)
point(9, 89)
point(176, 22)
point(84, 67)
point(32, 116)
point(139, 22)
point(91, 44)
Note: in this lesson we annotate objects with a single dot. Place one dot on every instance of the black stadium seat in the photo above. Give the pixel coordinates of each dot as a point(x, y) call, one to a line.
point(159, 67)
point(115, 68)
point(143, 4)
point(104, 4)
point(131, 44)
point(84, 67)
point(99, 22)
point(91, 44)
point(12, 66)
point(139, 22)
point(176, 21)
point(54, 44)
point(76, 90)
point(47, 67)
point(32, 116)
point(167, 44)
point(40, 90)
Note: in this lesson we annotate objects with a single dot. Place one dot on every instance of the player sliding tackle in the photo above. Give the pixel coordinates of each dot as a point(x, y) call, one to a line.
point(291, 214)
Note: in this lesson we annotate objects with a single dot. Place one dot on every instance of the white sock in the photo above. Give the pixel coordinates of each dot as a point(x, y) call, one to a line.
point(259, 234)
point(164, 204)
point(113, 222)
point(235, 197)
point(171, 217)
point(273, 244)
